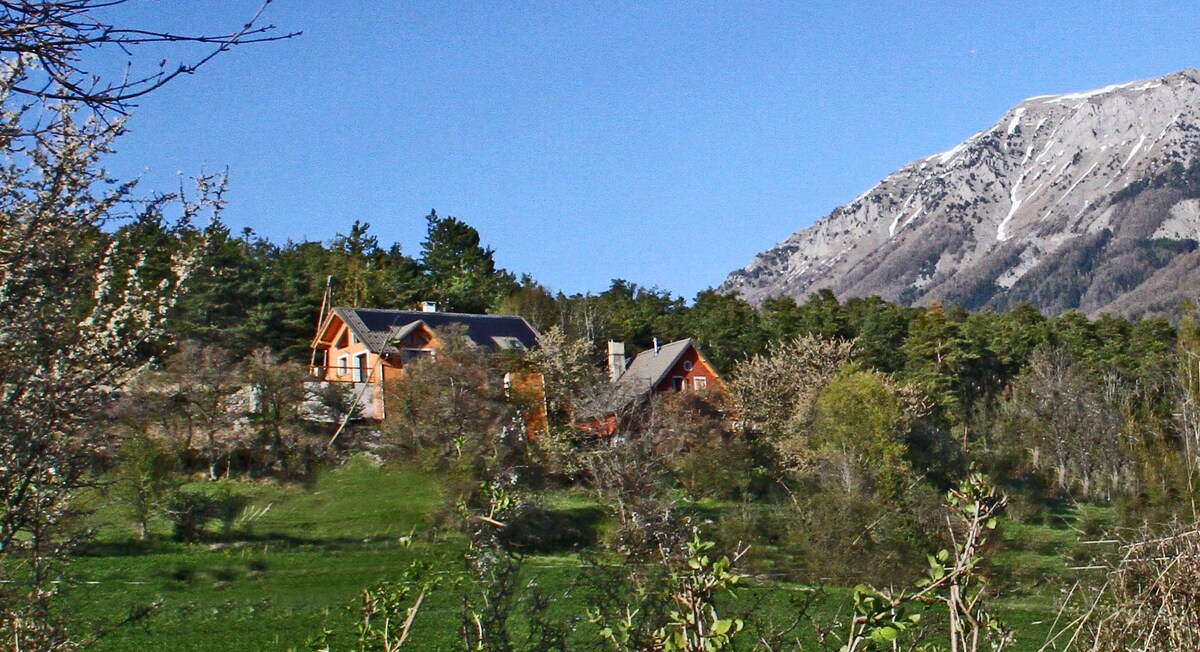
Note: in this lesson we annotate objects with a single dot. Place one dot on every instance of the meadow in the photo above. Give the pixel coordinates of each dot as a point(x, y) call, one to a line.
point(299, 556)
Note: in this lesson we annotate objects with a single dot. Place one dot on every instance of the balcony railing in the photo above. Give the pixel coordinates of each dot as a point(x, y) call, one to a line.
point(340, 374)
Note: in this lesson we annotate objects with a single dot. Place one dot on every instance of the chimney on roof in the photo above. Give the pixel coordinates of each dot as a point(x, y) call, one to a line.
point(656, 346)
point(429, 306)
point(616, 360)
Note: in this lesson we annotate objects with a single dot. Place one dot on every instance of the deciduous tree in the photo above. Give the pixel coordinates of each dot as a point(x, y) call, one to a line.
point(78, 307)
point(775, 392)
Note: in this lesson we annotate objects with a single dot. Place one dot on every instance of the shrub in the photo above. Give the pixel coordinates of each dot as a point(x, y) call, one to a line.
point(227, 506)
point(190, 511)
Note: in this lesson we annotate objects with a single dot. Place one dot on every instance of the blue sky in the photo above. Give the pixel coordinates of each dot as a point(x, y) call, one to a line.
point(663, 143)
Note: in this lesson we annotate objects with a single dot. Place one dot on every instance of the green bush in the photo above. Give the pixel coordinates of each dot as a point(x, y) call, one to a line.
point(855, 537)
point(192, 509)
point(227, 505)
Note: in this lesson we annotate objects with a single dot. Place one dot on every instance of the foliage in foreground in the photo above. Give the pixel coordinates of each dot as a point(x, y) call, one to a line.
point(681, 602)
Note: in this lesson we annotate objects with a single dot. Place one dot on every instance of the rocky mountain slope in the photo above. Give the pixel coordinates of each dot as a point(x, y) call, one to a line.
point(1085, 200)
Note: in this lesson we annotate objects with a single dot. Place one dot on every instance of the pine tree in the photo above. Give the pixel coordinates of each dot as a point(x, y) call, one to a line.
point(222, 293)
point(462, 274)
point(726, 327)
point(938, 355)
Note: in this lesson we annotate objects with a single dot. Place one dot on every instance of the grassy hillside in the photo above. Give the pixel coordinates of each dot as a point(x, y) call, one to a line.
point(298, 566)
point(300, 556)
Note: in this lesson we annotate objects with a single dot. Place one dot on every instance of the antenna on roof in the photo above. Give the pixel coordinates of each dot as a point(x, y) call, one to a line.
point(326, 301)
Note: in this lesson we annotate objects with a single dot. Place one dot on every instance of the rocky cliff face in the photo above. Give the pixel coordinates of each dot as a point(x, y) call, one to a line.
point(1086, 200)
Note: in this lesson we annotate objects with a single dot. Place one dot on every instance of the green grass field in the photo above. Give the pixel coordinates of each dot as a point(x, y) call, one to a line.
point(302, 555)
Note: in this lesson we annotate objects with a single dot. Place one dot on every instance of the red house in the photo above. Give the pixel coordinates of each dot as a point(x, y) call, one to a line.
point(675, 367)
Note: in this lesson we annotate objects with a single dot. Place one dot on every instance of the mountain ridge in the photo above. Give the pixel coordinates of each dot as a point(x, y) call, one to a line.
point(1075, 200)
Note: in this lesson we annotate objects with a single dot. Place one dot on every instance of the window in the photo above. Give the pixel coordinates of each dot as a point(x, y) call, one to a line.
point(360, 368)
point(505, 343)
point(343, 340)
point(414, 341)
point(687, 365)
point(677, 383)
point(700, 383)
point(343, 364)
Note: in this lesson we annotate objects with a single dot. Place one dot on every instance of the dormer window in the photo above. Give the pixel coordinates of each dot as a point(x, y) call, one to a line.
point(508, 343)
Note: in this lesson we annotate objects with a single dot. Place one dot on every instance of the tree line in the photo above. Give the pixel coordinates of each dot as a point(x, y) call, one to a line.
point(1051, 406)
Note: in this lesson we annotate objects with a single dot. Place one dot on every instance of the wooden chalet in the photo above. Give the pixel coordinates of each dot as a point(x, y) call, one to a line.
point(371, 347)
point(675, 367)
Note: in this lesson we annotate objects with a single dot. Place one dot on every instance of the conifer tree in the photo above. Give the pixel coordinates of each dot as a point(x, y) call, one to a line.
point(462, 273)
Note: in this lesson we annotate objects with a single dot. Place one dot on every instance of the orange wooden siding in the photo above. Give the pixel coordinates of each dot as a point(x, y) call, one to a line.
point(527, 389)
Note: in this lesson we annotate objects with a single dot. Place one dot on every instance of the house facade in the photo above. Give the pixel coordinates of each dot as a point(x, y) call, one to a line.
point(675, 367)
point(370, 347)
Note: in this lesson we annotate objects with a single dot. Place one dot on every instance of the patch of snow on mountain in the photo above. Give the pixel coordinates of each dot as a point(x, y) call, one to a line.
point(863, 195)
point(1147, 86)
point(1164, 129)
point(895, 221)
point(1049, 145)
point(1077, 182)
point(1069, 97)
point(1028, 153)
point(947, 156)
point(1016, 121)
point(1015, 204)
point(1141, 141)
point(914, 216)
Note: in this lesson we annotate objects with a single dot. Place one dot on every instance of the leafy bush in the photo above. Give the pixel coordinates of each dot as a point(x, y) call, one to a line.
point(145, 476)
point(191, 510)
point(227, 506)
point(539, 530)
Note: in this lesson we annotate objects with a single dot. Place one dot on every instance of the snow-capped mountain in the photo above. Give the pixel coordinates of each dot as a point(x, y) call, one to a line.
point(1085, 200)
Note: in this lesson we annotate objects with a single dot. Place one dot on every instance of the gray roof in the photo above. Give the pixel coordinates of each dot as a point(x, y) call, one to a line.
point(376, 328)
point(651, 367)
point(642, 375)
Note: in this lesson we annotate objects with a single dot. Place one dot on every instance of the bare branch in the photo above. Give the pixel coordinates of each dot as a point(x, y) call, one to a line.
point(49, 39)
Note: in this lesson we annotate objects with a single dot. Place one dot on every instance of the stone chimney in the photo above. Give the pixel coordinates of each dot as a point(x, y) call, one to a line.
point(616, 360)
point(429, 306)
